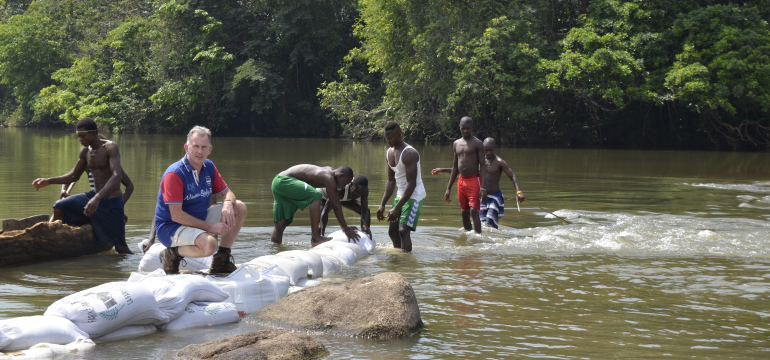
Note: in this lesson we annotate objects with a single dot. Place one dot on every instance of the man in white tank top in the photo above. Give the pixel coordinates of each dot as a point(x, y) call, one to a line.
point(404, 172)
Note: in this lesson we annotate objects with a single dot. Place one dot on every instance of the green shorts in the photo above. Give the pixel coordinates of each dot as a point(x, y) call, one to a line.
point(410, 212)
point(290, 194)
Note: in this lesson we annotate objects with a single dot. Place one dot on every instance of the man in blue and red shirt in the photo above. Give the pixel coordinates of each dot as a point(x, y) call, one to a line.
point(184, 222)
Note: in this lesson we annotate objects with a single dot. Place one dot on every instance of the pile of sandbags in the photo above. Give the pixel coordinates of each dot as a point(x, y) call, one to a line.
point(250, 290)
point(108, 307)
point(23, 332)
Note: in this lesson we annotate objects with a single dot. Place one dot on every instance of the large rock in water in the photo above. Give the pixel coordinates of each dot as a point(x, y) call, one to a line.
point(48, 241)
point(382, 306)
point(270, 344)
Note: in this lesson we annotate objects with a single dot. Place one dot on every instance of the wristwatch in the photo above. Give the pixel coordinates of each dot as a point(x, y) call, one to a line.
point(233, 201)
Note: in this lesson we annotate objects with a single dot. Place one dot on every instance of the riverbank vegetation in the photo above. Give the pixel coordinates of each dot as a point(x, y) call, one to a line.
point(640, 74)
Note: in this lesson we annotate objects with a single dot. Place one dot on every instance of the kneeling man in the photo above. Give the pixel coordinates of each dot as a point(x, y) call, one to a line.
point(184, 222)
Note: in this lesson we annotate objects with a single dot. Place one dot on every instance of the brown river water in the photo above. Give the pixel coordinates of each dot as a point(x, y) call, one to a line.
point(668, 254)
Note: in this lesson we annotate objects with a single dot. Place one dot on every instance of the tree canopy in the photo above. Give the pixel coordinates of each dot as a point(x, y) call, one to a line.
point(642, 73)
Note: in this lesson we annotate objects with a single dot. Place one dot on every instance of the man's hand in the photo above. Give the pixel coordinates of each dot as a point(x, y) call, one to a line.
point(92, 205)
point(520, 198)
point(367, 231)
point(228, 213)
point(434, 171)
point(40, 183)
point(380, 213)
point(393, 215)
point(446, 195)
point(146, 244)
point(63, 194)
point(352, 233)
point(483, 195)
point(219, 228)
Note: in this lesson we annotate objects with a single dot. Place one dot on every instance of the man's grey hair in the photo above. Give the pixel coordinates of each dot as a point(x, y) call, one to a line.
point(200, 130)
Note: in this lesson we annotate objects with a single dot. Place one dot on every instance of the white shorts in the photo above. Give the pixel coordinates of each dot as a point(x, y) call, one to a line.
point(186, 235)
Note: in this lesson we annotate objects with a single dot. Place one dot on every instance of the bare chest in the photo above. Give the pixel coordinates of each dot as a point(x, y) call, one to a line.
point(97, 159)
point(466, 150)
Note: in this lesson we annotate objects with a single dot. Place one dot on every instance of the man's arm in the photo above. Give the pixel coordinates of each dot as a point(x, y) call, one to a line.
point(453, 175)
point(180, 217)
point(125, 180)
point(410, 160)
point(512, 176)
point(113, 184)
point(437, 171)
point(389, 186)
point(324, 217)
point(228, 208)
point(70, 177)
point(334, 199)
point(482, 169)
point(366, 216)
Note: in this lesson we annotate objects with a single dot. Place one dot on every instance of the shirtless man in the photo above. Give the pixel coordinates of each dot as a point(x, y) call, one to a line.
point(469, 163)
point(295, 189)
point(355, 196)
point(492, 209)
point(103, 208)
point(125, 180)
point(404, 172)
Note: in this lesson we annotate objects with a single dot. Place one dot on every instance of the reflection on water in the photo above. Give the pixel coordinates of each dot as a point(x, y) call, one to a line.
point(668, 254)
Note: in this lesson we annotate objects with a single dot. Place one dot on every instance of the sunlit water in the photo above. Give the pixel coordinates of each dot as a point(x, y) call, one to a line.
point(668, 253)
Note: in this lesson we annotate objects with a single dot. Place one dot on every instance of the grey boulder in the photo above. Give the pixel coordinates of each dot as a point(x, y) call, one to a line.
point(261, 345)
point(381, 307)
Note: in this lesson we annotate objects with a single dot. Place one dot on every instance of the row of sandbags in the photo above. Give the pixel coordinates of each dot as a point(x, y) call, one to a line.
point(151, 301)
point(322, 260)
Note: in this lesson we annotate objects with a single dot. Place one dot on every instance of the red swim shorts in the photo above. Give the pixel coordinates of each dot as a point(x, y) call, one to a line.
point(468, 188)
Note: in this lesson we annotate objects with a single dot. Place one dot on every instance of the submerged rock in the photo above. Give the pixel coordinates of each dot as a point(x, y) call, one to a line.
point(382, 306)
point(271, 344)
point(48, 241)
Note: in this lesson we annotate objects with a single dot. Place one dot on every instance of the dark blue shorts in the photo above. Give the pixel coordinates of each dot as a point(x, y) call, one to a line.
point(108, 222)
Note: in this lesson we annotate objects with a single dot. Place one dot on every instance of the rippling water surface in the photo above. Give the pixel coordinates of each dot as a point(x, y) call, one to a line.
point(668, 253)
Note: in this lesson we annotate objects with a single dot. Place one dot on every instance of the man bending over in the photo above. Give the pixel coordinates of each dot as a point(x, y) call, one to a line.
point(295, 189)
point(355, 196)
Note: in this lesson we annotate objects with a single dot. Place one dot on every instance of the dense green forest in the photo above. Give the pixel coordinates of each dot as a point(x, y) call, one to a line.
point(635, 74)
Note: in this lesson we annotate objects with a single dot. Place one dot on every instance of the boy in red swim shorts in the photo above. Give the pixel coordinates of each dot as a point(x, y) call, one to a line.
point(469, 163)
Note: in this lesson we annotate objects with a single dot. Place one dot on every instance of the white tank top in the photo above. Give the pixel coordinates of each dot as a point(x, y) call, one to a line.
point(400, 170)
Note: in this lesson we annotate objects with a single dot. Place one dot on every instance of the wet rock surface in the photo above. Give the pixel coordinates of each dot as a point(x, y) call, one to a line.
point(272, 344)
point(48, 241)
point(383, 306)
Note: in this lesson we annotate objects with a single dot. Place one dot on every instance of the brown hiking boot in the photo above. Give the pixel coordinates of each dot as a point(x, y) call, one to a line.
point(170, 261)
point(222, 263)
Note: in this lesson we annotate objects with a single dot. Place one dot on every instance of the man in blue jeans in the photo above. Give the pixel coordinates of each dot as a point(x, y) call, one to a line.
point(103, 206)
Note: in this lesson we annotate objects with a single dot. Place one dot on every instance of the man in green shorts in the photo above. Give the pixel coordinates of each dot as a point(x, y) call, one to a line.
point(404, 172)
point(295, 189)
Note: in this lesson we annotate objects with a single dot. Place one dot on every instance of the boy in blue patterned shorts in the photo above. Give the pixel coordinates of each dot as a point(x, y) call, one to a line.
point(493, 207)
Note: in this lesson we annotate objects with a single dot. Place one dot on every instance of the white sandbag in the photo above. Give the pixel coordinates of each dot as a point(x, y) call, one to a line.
point(137, 277)
point(107, 307)
point(204, 314)
point(22, 332)
point(292, 268)
point(357, 250)
point(364, 241)
point(128, 332)
point(251, 290)
point(174, 292)
point(344, 254)
point(151, 260)
point(46, 351)
point(331, 264)
point(311, 259)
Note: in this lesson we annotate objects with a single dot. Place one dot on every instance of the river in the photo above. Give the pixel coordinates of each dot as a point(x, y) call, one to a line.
point(667, 255)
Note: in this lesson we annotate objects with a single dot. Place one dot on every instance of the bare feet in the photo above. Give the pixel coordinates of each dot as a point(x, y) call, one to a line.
point(317, 240)
point(123, 250)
